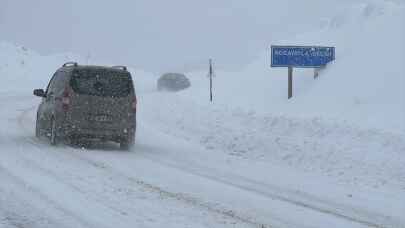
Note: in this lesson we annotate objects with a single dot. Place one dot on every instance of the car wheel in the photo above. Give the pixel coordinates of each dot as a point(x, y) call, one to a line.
point(54, 135)
point(126, 143)
point(37, 129)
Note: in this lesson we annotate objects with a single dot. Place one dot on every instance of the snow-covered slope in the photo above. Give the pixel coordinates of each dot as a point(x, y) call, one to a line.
point(365, 85)
point(347, 126)
point(23, 69)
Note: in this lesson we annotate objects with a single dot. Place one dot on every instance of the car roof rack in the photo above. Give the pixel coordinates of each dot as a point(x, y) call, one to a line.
point(120, 67)
point(70, 64)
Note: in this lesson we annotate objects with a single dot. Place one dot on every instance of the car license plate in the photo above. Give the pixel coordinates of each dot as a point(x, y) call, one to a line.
point(100, 118)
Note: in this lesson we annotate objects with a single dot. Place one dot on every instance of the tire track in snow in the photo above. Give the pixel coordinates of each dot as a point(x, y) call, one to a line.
point(155, 189)
point(22, 120)
point(159, 191)
point(243, 184)
point(36, 193)
point(299, 199)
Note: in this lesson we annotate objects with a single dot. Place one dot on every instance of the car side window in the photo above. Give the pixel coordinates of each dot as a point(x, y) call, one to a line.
point(60, 81)
point(57, 82)
point(51, 84)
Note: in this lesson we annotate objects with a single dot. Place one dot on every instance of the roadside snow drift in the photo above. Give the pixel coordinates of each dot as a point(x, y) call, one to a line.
point(365, 85)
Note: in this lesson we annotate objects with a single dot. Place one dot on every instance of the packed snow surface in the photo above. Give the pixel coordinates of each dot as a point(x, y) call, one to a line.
point(333, 156)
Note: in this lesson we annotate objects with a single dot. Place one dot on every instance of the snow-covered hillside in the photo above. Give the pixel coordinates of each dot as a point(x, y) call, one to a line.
point(348, 125)
point(23, 69)
point(365, 85)
point(330, 157)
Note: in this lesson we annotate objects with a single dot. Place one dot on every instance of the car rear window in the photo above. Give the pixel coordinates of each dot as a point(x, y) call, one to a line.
point(101, 82)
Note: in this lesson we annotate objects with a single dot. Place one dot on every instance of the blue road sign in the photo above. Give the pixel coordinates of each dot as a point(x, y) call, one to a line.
point(301, 56)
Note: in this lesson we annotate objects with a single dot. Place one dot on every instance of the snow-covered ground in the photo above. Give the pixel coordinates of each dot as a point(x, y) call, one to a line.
point(365, 85)
point(333, 156)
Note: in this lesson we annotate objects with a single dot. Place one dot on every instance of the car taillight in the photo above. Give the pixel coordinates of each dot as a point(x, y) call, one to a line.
point(133, 105)
point(66, 100)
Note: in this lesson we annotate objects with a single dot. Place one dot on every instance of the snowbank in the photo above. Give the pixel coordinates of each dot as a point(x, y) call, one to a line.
point(22, 69)
point(365, 85)
point(347, 126)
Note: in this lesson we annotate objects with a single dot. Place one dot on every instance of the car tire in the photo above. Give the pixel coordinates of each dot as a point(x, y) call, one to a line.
point(54, 133)
point(126, 143)
point(37, 130)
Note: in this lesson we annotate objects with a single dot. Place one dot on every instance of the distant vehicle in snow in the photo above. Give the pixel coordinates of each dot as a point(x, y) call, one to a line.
point(91, 102)
point(173, 82)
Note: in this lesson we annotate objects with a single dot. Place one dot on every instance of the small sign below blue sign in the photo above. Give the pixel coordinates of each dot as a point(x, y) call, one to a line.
point(301, 56)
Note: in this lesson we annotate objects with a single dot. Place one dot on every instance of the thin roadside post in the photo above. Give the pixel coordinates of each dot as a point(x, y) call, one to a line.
point(316, 73)
point(210, 75)
point(290, 82)
point(318, 70)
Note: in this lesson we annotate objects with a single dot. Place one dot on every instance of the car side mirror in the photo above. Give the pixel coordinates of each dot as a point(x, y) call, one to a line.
point(39, 93)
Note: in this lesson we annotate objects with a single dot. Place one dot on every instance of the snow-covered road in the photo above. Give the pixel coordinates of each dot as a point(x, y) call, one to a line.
point(165, 182)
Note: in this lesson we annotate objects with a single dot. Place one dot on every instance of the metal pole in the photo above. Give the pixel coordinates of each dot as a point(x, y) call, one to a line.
point(290, 82)
point(316, 72)
point(211, 72)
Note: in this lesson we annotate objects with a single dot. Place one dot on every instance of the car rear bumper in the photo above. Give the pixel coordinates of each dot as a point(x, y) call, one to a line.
point(117, 134)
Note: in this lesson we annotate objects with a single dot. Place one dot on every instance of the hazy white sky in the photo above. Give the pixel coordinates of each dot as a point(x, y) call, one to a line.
point(157, 35)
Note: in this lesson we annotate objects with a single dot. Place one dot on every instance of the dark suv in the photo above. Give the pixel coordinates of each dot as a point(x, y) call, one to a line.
point(91, 102)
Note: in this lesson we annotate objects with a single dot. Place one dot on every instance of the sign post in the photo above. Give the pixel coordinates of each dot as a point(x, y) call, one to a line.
point(301, 57)
point(316, 73)
point(290, 81)
point(317, 70)
point(210, 75)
